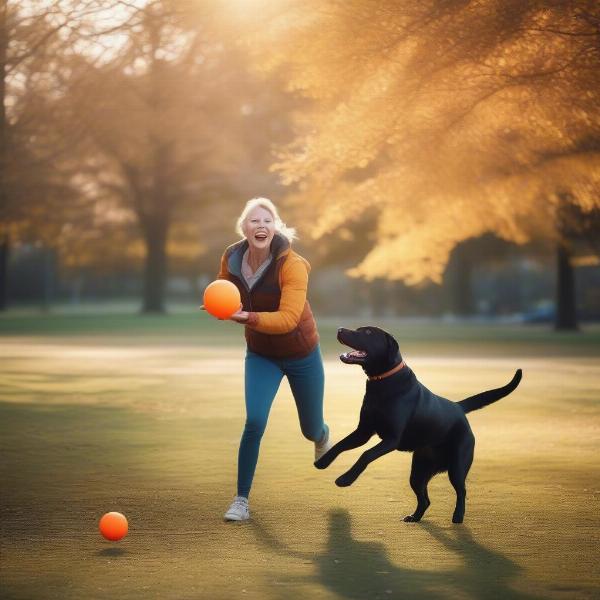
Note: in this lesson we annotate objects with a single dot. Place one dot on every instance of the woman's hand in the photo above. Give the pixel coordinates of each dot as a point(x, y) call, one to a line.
point(241, 316)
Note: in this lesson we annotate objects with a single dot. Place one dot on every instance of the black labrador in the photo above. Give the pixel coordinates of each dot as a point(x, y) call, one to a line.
point(407, 416)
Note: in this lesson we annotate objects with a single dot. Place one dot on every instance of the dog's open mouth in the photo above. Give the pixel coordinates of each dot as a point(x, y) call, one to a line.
point(353, 357)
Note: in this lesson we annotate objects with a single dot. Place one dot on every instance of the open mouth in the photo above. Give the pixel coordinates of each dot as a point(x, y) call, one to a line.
point(260, 236)
point(354, 356)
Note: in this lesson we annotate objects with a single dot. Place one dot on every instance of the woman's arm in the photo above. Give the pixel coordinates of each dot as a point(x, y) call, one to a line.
point(294, 284)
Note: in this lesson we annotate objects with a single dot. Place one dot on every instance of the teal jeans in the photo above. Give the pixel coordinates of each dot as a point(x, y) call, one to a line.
point(262, 379)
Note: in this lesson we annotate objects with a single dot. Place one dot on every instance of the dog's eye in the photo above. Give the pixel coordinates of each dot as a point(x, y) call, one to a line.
point(368, 332)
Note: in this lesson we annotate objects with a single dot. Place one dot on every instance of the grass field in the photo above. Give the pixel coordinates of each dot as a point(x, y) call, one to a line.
point(143, 415)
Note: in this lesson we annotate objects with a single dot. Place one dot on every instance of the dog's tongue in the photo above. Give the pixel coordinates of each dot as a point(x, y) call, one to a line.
point(348, 356)
point(358, 353)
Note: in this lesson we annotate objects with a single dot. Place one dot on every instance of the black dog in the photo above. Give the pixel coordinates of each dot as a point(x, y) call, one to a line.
point(407, 416)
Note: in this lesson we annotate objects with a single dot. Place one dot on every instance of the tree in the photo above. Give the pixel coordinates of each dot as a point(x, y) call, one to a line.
point(449, 120)
point(36, 195)
point(169, 133)
point(579, 231)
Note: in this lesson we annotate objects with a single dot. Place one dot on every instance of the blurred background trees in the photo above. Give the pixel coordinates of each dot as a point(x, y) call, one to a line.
point(153, 118)
point(451, 120)
point(32, 192)
point(429, 150)
point(167, 130)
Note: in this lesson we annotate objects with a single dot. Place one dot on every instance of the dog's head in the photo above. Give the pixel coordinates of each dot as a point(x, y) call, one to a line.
point(374, 349)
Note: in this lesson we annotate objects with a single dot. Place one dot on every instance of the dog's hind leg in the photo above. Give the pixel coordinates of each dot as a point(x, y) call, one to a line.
point(423, 469)
point(460, 463)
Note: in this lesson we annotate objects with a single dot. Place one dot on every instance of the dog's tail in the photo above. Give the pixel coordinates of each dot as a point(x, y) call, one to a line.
point(485, 398)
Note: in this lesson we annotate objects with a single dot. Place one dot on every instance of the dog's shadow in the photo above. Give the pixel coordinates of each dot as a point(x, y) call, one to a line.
point(356, 569)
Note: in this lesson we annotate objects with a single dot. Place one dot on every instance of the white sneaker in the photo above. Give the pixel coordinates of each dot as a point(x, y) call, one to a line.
point(322, 447)
point(239, 510)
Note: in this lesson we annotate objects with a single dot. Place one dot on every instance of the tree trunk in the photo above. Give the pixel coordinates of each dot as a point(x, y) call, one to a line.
point(4, 242)
point(155, 272)
point(49, 279)
point(566, 309)
point(4, 254)
point(461, 292)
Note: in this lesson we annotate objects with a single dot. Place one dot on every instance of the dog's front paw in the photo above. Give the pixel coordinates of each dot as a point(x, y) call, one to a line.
point(322, 464)
point(344, 480)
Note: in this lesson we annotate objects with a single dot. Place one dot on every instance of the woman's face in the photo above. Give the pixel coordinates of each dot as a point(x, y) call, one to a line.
point(259, 228)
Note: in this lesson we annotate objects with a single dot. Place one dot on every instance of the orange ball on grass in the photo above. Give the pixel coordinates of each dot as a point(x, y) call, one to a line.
point(113, 526)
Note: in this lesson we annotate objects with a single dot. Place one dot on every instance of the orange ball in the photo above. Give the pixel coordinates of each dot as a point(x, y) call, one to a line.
point(113, 526)
point(222, 299)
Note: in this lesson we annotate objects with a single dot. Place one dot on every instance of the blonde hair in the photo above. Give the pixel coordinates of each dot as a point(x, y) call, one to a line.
point(280, 227)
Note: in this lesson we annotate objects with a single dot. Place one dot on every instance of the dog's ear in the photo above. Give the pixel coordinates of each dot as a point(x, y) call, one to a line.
point(393, 348)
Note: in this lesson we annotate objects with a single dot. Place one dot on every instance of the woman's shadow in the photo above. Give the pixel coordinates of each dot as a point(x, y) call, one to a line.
point(357, 569)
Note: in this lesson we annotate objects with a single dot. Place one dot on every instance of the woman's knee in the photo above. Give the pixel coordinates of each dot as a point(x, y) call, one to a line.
point(254, 428)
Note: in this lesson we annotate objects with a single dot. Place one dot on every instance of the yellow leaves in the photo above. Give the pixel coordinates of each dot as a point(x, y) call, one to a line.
point(414, 257)
point(345, 234)
point(579, 176)
point(444, 123)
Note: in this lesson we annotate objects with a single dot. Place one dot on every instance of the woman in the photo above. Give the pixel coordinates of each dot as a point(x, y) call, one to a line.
point(281, 335)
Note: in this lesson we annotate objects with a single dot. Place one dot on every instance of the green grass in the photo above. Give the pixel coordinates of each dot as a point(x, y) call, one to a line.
point(143, 415)
point(196, 327)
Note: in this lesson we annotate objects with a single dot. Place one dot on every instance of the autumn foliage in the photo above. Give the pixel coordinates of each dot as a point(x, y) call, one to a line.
point(446, 119)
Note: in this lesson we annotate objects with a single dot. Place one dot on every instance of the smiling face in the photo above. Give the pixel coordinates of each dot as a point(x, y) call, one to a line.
point(259, 228)
point(373, 348)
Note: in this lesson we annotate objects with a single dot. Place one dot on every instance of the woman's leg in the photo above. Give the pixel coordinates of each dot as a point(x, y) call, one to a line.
point(262, 379)
point(307, 382)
